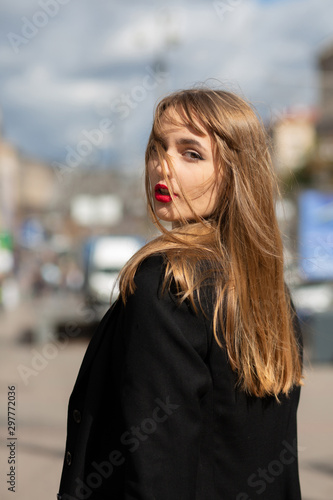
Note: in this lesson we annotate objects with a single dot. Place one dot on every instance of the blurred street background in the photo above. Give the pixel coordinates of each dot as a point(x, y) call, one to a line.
point(78, 83)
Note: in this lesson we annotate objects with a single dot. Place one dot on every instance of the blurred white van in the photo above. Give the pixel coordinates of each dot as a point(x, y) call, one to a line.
point(104, 257)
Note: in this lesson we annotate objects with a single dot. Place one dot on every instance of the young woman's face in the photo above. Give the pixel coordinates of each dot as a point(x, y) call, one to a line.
point(192, 159)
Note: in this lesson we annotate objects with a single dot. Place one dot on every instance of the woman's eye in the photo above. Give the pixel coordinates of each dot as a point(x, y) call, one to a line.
point(193, 155)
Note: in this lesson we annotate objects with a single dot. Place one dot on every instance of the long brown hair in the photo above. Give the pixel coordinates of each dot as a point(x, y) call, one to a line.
point(238, 246)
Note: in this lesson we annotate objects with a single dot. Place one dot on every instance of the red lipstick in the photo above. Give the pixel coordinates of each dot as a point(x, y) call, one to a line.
point(162, 193)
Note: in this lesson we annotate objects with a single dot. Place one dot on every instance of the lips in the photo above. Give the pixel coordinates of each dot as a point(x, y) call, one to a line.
point(162, 193)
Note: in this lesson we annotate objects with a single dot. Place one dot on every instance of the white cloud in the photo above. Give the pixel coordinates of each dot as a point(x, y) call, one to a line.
point(40, 86)
point(93, 52)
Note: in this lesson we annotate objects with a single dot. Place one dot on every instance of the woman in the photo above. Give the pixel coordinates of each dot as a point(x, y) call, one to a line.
point(189, 388)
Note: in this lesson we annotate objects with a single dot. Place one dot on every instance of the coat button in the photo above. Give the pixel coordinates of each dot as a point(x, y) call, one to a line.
point(77, 416)
point(68, 458)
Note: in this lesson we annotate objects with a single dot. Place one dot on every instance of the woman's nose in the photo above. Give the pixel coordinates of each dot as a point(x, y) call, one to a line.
point(163, 168)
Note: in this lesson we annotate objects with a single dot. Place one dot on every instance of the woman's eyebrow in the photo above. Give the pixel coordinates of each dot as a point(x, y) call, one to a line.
point(189, 142)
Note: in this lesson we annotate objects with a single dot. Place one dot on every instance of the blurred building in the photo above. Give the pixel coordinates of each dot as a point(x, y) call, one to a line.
point(37, 205)
point(294, 139)
point(9, 185)
point(27, 188)
point(93, 201)
point(37, 187)
point(325, 124)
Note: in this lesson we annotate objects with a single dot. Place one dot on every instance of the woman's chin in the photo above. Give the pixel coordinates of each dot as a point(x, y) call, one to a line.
point(166, 214)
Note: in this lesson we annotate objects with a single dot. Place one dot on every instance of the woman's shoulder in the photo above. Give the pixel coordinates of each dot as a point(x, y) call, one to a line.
point(151, 269)
point(149, 277)
point(155, 262)
point(153, 285)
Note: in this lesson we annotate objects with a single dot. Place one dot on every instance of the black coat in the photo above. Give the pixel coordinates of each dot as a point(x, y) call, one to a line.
point(154, 414)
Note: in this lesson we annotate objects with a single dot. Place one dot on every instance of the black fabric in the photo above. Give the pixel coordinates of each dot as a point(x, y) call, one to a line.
point(160, 418)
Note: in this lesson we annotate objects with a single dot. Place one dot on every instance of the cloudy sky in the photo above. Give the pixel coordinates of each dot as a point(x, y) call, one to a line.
point(79, 78)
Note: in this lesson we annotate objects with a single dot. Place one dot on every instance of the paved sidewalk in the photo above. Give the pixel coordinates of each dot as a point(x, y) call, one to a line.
point(44, 375)
point(315, 431)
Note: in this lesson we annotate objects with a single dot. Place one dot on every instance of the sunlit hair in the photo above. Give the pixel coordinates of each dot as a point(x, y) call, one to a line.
point(237, 250)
